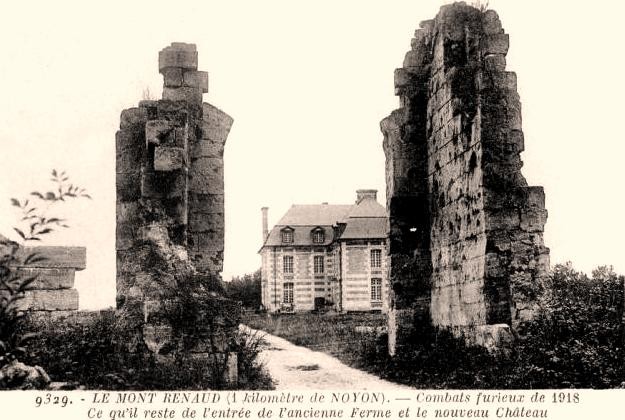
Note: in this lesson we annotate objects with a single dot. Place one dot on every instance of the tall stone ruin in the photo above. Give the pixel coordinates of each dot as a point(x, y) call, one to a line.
point(170, 214)
point(466, 231)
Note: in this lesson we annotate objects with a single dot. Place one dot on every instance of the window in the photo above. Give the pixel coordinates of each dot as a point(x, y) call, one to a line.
point(318, 264)
point(376, 258)
point(376, 289)
point(287, 263)
point(287, 236)
point(287, 293)
point(318, 236)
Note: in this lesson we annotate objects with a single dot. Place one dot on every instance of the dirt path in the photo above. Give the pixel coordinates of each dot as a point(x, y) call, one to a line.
point(295, 367)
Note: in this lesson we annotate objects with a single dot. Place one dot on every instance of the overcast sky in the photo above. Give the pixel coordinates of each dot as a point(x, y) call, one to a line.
point(307, 84)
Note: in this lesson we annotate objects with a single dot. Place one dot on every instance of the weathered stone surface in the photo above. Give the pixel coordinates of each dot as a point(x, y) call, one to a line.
point(50, 278)
point(463, 223)
point(207, 176)
point(57, 256)
point(169, 158)
point(207, 148)
point(128, 186)
point(495, 44)
point(197, 79)
point(180, 55)
point(163, 185)
point(133, 118)
point(158, 131)
point(216, 124)
point(185, 93)
point(50, 300)
point(172, 77)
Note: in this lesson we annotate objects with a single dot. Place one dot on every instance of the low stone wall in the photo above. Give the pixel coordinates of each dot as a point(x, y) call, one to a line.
point(53, 287)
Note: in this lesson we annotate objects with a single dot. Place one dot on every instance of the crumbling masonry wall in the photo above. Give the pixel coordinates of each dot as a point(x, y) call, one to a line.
point(466, 245)
point(170, 213)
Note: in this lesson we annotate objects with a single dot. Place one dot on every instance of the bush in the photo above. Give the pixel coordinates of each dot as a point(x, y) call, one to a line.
point(576, 340)
point(92, 352)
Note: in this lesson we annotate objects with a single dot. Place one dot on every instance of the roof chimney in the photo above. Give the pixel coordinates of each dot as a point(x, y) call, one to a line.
point(265, 226)
point(366, 194)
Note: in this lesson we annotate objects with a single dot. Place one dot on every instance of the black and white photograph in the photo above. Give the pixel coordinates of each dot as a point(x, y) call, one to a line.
point(419, 200)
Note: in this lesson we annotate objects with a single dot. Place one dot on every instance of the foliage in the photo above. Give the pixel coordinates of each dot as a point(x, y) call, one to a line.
point(252, 374)
point(14, 282)
point(246, 289)
point(93, 352)
point(576, 340)
point(13, 285)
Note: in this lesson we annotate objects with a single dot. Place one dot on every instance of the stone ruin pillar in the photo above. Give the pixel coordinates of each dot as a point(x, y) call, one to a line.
point(466, 231)
point(170, 213)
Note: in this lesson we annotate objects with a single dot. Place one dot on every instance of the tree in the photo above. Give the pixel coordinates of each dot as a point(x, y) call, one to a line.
point(246, 289)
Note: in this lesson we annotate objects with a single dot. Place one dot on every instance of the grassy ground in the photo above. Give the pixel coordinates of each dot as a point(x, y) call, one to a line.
point(340, 335)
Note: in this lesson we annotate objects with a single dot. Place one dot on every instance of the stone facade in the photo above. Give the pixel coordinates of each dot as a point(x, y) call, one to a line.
point(170, 216)
point(466, 243)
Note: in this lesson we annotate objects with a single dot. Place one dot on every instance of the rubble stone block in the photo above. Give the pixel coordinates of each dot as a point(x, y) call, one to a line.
point(169, 158)
point(491, 22)
point(163, 184)
point(216, 124)
point(49, 278)
point(196, 79)
point(177, 57)
point(55, 256)
point(207, 148)
point(158, 131)
point(495, 44)
point(494, 63)
point(128, 140)
point(207, 176)
point(206, 203)
point(185, 93)
point(128, 186)
point(50, 300)
point(132, 118)
point(172, 77)
point(204, 222)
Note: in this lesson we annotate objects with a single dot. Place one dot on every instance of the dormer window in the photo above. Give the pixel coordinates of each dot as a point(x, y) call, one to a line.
point(318, 236)
point(287, 236)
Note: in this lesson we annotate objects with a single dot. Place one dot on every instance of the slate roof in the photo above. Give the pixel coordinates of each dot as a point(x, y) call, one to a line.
point(365, 228)
point(365, 220)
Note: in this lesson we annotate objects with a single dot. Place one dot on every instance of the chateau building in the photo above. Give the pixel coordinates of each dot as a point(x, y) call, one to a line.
point(326, 257)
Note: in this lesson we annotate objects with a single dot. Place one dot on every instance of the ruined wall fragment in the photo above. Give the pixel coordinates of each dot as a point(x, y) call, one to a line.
point(465, 229)
point(170, 212)
point(53, 287)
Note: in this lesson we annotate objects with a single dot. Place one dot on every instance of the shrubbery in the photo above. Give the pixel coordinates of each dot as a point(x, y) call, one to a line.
point(576, 340)
point(92, 353)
